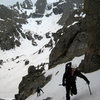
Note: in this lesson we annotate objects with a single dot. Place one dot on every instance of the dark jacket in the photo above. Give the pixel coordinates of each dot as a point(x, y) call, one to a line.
point(39, 89)
point(68, 78)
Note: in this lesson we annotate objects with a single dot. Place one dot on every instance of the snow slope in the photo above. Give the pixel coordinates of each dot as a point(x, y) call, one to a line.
point(13, 68)
point(11, 72)
point(56, 92)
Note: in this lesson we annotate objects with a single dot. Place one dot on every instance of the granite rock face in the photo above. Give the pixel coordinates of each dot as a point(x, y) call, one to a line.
point(70, 41)
point(92, 58)
point(10, 27)
point(68, 8)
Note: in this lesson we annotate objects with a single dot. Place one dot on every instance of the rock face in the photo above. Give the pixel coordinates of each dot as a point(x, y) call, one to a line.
point(27, 4)
point(9, 28)
point(70, 41)
point(68, 9)
point(40, 6)
point(92, 58)
point(40, 9)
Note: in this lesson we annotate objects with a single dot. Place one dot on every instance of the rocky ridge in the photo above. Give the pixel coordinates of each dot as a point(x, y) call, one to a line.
point(71, 40)
point(92, 58)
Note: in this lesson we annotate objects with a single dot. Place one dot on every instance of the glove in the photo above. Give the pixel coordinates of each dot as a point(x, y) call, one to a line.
point(88, 82)
point(63, 84)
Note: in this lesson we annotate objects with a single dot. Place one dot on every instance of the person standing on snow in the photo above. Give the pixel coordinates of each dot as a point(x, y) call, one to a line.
point(69, 80)
point(38, 90)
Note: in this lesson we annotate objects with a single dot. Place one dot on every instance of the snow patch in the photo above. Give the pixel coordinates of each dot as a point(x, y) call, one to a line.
point(56, 92)
point(72, 24)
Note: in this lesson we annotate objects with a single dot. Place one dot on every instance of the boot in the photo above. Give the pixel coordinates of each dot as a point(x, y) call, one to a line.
point(68, 98)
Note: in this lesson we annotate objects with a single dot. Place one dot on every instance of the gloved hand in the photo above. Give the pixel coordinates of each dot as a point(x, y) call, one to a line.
point(88, 82)
point(63, 84)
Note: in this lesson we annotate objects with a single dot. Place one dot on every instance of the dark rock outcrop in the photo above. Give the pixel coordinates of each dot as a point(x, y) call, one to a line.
point(70, 42)
point(40, 6)
point(1, 62)
point(92, 58)
point(30, 82)
point(58, 7)
point(10, 28)
point(40, 9)
point(27, 4)
point(68, 8)
point(36, 15)
point(6, 13)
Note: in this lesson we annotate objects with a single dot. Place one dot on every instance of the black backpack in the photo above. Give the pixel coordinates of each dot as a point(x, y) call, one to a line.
point(38, 89)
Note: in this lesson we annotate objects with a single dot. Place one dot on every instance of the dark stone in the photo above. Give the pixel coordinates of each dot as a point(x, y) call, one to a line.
point(36, 15)
point(92, 57)
point(68, 9)
point(48, 35)
point(6, 12)
point(70, 42)
point(58, 7)
point(40, 6)
point(39, 22)
point(1, 62)
point(57, 11)
point(29, 35)
point(50, 44)
point(49, 7)
point(47, 15)
point(17, 43)
point(26, 62)
point(30, 82)
point(34, 43)
point(27, 4)
point(10, 28)
point(39, 37)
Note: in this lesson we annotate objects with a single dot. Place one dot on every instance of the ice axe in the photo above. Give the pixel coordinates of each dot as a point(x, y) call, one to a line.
point(89, 89)
point(61, 85)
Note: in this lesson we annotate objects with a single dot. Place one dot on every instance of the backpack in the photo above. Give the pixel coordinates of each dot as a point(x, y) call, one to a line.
point(38, 89)
point(69, 75)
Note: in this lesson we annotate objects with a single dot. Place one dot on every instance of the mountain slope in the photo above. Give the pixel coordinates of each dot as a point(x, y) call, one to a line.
point(36, 42)
point(55, 92)
point(13, 66)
